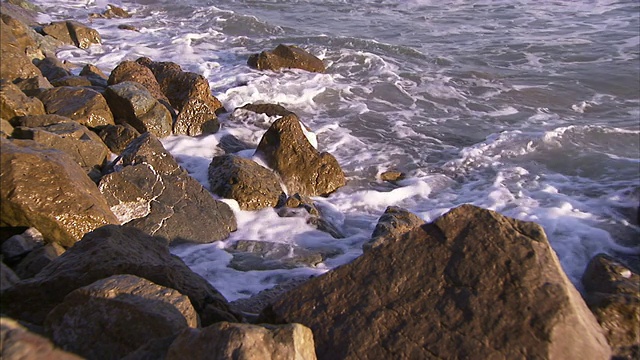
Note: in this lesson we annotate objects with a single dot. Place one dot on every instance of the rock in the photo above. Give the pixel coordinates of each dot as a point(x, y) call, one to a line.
point(115, 12)
point(127, 27)
point(130, 311)
point(7, 278)
point(95, 75)
point(226, 340)
point(249, 255)
point(23, 36)
point(254, 187)
point(392, 175)
point(231, 144)
point(86, 106)
point(72, 80)
point(38, 259)
point(117, 137)
point(36, 121)
point(32, 8)
point(196, 118)
point(287, 57)
point(53, 69)
point(16, 246)
point(133, 103)
point(19, 343)
point(107, 251)
point(302, 206)
point(612, 293)
point(82, 145)
point(5, 128)
point(132, 71)
point(302, 168)
point(392, 224)
point(46, 189)
point(154, 194)
point(16, 64)
point(73, 33)
point(34, 86)
point(267, 109)
point(14, 103)
point(472, 284)
point(253, 305)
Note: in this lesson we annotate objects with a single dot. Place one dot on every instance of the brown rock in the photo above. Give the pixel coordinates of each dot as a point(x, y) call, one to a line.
point(16, 64)
point(72, 80)
point(86, 106)
point(115, 12)
point(302, 168)
point(287, 57)
point(196, 118)
point(19, 343)
point(117, 137)
point(46, 189)
point(613, 294)
point(35, 121)
point(73, 33)
point(53, 69)
point(392, 175)
point(34, 86)
point(5, 128)
point(13, 102)
point(251, 185)
point(107, 251)
point(244, 341)
point(267, 109)
point(132, 71)
point(392, 224)
point(130, 310)
point(472, 284)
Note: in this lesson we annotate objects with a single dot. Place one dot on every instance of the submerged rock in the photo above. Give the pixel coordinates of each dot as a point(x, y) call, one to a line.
point(472, 284)
point(287, 57)
point(249, 255)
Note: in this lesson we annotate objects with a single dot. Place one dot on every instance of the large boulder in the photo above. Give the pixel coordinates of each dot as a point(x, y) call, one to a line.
point(86, 106)
point(133, 71)
point(132, 103)
point(226, 340)
point(19, 343)
point(112, 317)
point(34, 85)
point(36, 121)
point(153, 193)
point(117, 137)
point(46, 189)
point(472, 284)
point(53, 69)
point(303, 169)
point(14, 103)
point(107, 251)
point(73, 33)
point(38, 259)
point(16, 64)
point(254, 187)
point(394, 222)
point(286, 57)
point(613, 294)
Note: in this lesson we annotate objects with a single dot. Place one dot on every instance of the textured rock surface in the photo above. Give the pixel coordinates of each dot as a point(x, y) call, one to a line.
point(53, 69)
point(34, 121)
point(267, 109)
point(19, 343)
point(7, 277)
point(133, 103)
point(73, 33)
point(6, 129)
point(196, 118)
point(112, 317)
point(302, 168)
point(132, 71)
point(249, 255)
point(46, 189)
point(472, 284)
point(153, 193)
point(613, 294)
point(244, 341)
point(113, 250)
point(86, 106)
point(14, 103)
point(16, 64)
point(286, 56)
point(117, 137)
point(251, 185)
point(34, 85)
point(392, 224)
point(38, 259)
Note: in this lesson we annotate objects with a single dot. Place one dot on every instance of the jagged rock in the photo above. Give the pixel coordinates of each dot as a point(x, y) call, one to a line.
point(38, 259)
point(249, 255)
point(46, 189)
point(154, 194)
point(267, 109)
point(13, 102)
point(302, 168)
point(392, 175)
point(16, 64)
point(254, 187)
point(35, 121)
point(132, 71)
point(72, 80)
point(613, 294)
point(132, 102)
point(73, 33)
point(7, 277)
point(19, 343)
point(302, 206)
point(253, 305)
point(80, 143)
point(472, 284)
point(17, 246)
point(196, 118)
point(231, 144)
point(5, 128)
point(86, 106)
point(107, 251)
point(287, 57)
point(392, 224)
point(115, 12)
point(53, 69)
point(95, 75)
point(24, 36)
point(32, 8)
point(117, 137)
point(130, 310)
point(34, 86)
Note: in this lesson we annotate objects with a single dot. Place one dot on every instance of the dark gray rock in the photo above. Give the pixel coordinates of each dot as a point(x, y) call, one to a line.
point(297, 205)
point(38, 259)
point(231, 144)
point(20, 343)
point(249, 255)
point(53, 69)
point(95, 75)
point(7, 277)
point(472, 284)
point(86, 106)
point(392, 224)
point(286, 57)
point(267, 109)
point(34, 86)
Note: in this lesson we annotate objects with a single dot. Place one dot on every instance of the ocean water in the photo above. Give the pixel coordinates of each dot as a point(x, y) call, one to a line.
point(530, 108)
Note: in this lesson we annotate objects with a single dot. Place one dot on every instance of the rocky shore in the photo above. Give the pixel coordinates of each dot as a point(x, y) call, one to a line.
point(91, 203)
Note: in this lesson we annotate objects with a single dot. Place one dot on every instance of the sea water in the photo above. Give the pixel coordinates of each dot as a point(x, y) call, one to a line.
point(530, 108)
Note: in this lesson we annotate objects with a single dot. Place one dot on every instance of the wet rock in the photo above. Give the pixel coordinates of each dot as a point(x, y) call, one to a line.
point(24, 36)
point(13, 102)
point(72, 80)
point(254, 187)
point(46, 189)
point(196, 118)
point(81, 144)
point(115, 12)
point(117, 137)
point(153, 193)
point(5, 128)
point(35, 121)
point(34, 86)
point(231, 144)
point(302, 206)
point(472, 284)
point(7, 277)
point(95, 75)
point(132, 71)
point(303, 169)
point(19, 343)
point(16, 64)
point(287, 57)
point(53, 69)
point(392, 175)
point(127, 27)
point(226, 340)
point(267, 109)
point(249, 255)
point(86, 106)
point(107, 251)
point(132, 102)
point(612, 293)
point(38, 259)
point(73, 33)
point(131, 311)
point(253, 305)
point(392, 224)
